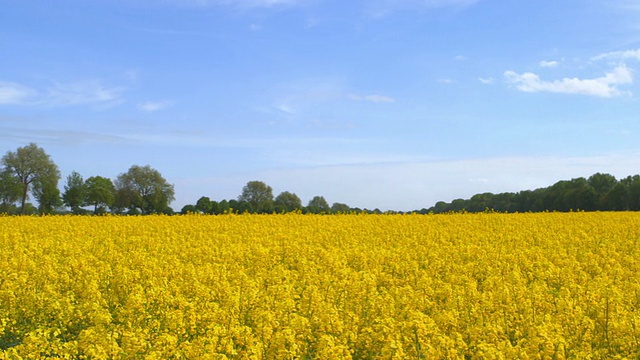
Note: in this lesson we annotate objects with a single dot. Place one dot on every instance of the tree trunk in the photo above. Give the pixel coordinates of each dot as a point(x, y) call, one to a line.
point(24, 197)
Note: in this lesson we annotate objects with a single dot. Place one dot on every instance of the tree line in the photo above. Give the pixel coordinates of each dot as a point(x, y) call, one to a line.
point(30, 173)
point(598, 192)
point(257, 197)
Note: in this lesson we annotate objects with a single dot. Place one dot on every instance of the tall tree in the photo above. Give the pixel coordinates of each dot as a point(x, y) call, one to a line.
point(258, 195)
point(10, 190)
point(149, 191)
point(318, 205)
point(31, 165)
point(287, 202)
point(99, 192)
point(203, 205)
point(46, 192)
point(74, 192)
point(340, 208)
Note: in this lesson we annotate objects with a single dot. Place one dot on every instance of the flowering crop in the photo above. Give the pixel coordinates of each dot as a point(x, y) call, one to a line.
point(468, 286)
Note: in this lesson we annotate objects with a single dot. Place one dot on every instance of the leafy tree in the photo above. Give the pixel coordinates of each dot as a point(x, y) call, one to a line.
point(287, 202)
point(602, 184)
point(259, 197)
point(223, 207)
point(144, 188)
point(99, 192)
point(340, 208)
point(617, 199)
point(204, 205)
point(10, 190)
point(189, 209)
point(32, 166)
point(74, 192)
point(318, 205)
point(46, 192)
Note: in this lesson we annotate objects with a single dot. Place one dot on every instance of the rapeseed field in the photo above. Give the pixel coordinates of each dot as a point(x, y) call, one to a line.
point(461, 286)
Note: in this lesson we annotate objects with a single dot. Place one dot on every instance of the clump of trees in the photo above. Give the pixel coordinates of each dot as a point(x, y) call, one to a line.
point(29, 171)
point(599, 192)
point(257, 198)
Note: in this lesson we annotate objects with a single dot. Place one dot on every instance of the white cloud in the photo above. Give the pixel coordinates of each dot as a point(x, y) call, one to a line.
point(545, 63)
point(442, 3)
point(12, 93)
point(605, 86)
point(81, 93)
point(619, 55)
point(487, 80)
point(382, 8)
point(446, 81)
point(61, 94)
point(371, 98)
point(151, 106)
point(238, 3)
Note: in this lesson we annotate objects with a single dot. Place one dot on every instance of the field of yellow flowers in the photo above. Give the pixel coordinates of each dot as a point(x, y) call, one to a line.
point(462, 286)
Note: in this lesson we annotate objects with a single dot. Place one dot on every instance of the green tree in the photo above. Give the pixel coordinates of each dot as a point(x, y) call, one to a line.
point(99, 192)
point(10, 191)
point(318, 205)
point(287, 202)
point(74, 192)
point(617, 199)
point(602, 184)
point(32, 167)
point(259, 197)
point(46, 192)
point(204, 205)
point(340, 208)
point(144, 189)
point(189, 208)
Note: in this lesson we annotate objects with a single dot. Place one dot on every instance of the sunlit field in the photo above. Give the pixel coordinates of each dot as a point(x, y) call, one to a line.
point(464, 286)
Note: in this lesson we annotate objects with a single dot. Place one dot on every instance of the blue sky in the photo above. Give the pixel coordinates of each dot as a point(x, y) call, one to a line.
point(377, 104)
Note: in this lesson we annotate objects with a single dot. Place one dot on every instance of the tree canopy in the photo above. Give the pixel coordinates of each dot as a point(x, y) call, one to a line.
point(32, 168)
point(144, 189)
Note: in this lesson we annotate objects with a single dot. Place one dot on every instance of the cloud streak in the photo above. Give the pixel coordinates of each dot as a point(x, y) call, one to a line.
point(618, 55)
point(12, 93)
point(246, 4)
point(60, 94)
point(153, 106)
point(605, 86)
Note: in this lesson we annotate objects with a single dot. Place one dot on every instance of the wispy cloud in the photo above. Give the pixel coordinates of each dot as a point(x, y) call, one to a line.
point(605, 86)
point(61, 94)
point(371, 98)
point(54, 136)
point(238, 3)
point(12, 93)
point(549, 64)
point(382, 8)
point(81, 93)
point(618, 55)
point(489, 80)
point(152, 106)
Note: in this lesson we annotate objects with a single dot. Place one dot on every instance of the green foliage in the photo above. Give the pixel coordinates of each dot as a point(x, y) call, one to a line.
point(600, 192)
point(74, 192)
point(36, 173)
point(287, 202)
point(144, 189)
point(318, 205)
point(99, 192)
point(256, 197)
